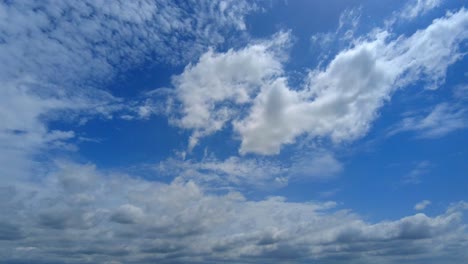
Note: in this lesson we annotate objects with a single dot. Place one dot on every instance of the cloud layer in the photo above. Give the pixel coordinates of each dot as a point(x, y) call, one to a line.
point(77, 214)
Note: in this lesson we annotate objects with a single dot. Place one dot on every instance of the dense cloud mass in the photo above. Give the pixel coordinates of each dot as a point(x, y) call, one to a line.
point(77, 214)
point(57, 206)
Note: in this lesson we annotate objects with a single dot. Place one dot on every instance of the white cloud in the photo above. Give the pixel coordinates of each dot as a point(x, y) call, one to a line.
point(442, 120)
point(342, 100)
point(89, 39)
point(422, 205)
point(211, 89)
point(56, 55)
point(138, 221)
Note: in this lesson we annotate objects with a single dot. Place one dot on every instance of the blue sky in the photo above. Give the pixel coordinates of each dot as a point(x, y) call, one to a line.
point(233, 131)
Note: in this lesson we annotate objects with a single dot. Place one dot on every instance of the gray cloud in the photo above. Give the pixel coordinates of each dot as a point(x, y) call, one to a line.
point(9, 231)
point(132, 220)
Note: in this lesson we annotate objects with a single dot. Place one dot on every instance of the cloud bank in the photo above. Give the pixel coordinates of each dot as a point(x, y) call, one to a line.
point(78, 214)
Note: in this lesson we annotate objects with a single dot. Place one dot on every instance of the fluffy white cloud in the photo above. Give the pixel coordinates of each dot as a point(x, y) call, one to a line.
point(422, 205)
point(442, 120)
point(78, 214)
point(342, 100)
point(209, 89)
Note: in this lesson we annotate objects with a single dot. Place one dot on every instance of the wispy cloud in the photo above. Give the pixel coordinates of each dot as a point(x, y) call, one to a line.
point(416, 8)
point(238, 173)
point(443, 119)
point(414, 176)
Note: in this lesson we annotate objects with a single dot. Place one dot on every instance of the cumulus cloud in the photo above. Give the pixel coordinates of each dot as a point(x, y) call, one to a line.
point(342, 100)
point(422, 205)
point(249, 89)
point(133, 220)
point(209, 89)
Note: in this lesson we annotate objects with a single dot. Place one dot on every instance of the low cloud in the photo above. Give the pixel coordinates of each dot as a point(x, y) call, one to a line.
point(133, 220)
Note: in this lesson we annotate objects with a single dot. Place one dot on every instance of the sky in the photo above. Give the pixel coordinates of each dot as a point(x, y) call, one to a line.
point(233, 131)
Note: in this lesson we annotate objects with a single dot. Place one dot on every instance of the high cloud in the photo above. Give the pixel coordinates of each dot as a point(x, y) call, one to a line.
point(442, 120)
point(57, 55)
point(77, 214)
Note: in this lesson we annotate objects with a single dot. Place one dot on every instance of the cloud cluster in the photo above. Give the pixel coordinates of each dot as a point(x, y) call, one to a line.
point(92, 39)
point(338, 102)
point(77, 214)
point(342, 100)
point(56, 56)
point(211, 90)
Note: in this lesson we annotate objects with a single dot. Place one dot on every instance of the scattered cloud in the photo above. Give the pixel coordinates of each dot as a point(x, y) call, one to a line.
point(339, 102)
point(56, 57)
point(422, 205)
point(342, 101)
